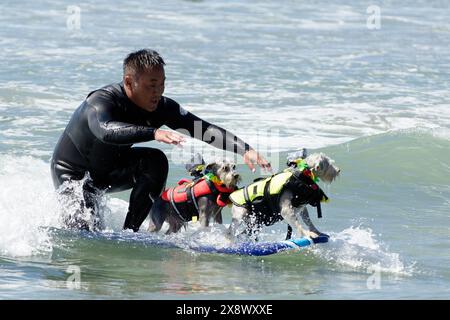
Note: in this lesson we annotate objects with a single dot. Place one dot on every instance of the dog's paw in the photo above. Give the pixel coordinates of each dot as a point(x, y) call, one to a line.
point(312, 234)
point(152, 228)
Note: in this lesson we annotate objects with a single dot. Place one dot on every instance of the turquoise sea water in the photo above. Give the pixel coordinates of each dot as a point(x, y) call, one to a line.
point(280, 75)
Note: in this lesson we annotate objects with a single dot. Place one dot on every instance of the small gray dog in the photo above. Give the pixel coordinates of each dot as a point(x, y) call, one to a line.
point(202, 198)
point(284, 195)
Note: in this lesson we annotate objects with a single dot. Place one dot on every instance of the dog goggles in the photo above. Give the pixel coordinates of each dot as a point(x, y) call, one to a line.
point(303, 167)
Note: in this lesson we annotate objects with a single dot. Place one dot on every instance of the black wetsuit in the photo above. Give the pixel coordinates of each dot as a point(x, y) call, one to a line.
point(99, 139)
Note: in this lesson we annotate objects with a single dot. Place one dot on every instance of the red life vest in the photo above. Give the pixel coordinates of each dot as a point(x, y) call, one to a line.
point(187, 192)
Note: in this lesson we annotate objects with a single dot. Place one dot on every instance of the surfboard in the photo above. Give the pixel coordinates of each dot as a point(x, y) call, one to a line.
point(261, 248)
point(241, 248)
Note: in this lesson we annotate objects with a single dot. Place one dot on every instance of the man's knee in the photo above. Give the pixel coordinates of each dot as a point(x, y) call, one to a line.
point(155, 162)
point(162, 161)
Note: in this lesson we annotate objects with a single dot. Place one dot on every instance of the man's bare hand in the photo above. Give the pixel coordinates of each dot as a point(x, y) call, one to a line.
point(168, 137)
point(251, 157)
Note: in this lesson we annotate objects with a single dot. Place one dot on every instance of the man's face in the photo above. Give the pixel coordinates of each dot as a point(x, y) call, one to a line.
point(147, 89)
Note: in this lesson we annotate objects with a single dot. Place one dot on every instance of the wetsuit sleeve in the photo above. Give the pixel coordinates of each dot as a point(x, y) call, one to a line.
point(200, 129)
point(106, 128)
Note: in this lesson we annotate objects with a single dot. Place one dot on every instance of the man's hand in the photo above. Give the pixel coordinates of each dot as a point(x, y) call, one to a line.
point(168, 137)
point(251, 157)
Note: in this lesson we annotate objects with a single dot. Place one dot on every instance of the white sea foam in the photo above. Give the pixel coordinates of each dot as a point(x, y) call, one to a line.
point(358, 248)
point(27, 203)
point(442, 133)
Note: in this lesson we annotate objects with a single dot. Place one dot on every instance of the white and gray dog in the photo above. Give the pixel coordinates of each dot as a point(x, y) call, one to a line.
point(219, 177)
point(321, 166)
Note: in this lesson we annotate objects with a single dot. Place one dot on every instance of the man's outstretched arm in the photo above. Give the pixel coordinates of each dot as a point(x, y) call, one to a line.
point(214, 135)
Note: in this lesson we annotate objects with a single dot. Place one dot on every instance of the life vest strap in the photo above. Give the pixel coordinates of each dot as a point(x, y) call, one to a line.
point(266, 195)
point(246, 197)
point(174, 206)
point(269, 201)
point(191, 196)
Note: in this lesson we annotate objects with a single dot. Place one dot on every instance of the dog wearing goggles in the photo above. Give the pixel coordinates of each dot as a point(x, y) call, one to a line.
point(283, 197)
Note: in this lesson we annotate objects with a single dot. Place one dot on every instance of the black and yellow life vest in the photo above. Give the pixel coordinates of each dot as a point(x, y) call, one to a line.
point(262, 196)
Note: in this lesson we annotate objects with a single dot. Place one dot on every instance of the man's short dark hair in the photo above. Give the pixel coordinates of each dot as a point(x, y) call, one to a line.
point(142, 60)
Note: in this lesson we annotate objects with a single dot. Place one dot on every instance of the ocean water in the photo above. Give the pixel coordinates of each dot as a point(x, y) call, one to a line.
point(282, 76)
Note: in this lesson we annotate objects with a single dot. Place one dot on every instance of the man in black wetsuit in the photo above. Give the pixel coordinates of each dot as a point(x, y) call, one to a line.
point(99, 137)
